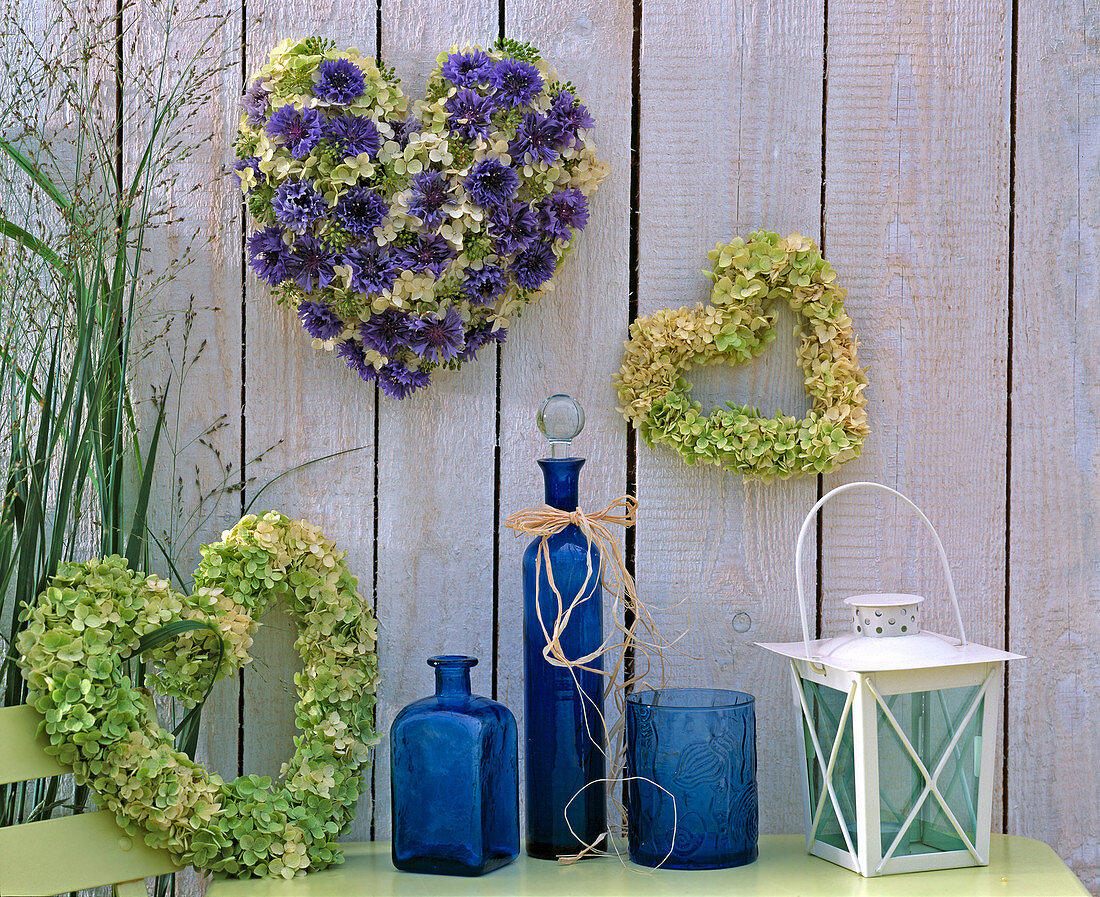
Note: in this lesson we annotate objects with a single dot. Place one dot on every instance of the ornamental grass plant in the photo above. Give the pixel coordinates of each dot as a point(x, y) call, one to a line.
point(77, 214)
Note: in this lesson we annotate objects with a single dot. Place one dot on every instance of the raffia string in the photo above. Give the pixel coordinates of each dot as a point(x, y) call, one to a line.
point(545, 522)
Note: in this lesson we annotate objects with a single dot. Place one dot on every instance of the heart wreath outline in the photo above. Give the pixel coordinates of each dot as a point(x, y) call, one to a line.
point(407, 240)
point(94, 615)
point(749, 276)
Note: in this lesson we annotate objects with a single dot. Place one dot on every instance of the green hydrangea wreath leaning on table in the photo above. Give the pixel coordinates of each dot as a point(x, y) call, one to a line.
point(749, 276)
point(92, 617)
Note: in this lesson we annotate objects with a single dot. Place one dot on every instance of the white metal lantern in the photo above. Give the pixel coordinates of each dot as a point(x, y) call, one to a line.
point(899, 728)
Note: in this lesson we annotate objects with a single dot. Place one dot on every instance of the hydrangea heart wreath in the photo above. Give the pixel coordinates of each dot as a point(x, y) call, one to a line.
point(408, 241)
point(93, 615)
point(749, 276)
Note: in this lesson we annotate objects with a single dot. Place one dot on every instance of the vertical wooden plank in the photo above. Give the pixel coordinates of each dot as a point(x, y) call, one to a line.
point(733, 147)
point(435, 459)
point(200, 357)
point(195, 319)
point(307, 405)
point(571, 340)
point(917, 225)
point(1053, 730)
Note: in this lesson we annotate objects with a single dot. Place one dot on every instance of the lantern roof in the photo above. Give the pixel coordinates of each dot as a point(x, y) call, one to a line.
point(859, 654)
point(886, 627)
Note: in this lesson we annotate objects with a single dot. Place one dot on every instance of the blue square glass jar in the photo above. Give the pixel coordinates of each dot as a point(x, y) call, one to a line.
point(454, 778)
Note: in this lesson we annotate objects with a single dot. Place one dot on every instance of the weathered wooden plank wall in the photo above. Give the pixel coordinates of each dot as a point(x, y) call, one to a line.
point(1054, 576)
point(727, 147)
point(916, 134)
point(947, 157)
point(301, 423)
point(435, 548)
point(199, 315)
point(572, 342)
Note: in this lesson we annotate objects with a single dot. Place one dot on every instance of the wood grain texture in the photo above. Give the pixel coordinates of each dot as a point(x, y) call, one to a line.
point(917, 135)
point(1054, 610)
point(569, 342)
point(194, 320)
point(730, 147)
point(307, 405)
point(435, 545)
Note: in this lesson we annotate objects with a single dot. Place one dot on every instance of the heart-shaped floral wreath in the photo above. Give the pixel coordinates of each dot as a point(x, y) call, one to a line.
point(93, 616)
point(405, 241)
point(749, 276)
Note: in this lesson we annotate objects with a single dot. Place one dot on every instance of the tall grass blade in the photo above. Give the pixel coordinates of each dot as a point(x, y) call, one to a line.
point(137, 546)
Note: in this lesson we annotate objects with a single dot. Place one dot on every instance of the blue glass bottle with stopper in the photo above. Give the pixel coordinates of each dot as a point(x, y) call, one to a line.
point(564, 731)
point(454, 778)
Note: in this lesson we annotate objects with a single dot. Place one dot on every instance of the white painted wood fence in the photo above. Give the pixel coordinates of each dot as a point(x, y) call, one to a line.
point(945, 154)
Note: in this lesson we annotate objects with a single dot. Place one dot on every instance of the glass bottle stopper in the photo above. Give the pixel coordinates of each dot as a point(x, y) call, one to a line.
point(560, 419)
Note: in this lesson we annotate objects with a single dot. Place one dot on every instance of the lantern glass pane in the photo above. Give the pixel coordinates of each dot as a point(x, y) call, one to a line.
point(826, 709)
point(928, 721)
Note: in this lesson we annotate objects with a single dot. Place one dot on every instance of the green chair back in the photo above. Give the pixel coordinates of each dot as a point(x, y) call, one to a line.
point(70, 853)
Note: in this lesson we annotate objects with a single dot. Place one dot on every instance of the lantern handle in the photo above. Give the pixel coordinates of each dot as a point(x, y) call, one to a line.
point(802, 536)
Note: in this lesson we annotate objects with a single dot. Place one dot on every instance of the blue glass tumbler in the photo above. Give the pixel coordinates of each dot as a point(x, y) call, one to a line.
point(699, 744)
point(454, 778)
point(564, 708)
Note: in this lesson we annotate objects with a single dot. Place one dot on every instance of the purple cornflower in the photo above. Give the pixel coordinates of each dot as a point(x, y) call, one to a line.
point(514, 227)
point(429, 252)
point(563, 210)
point(469, 114)
point(269, 255)
point(534, 266)
point(403, 129)
point(397, 381)
point(319, 320)
point(484, 285)
point(479, 336)
point(490, 183)
point(571, 114)
point(355, 358)
point(516, 82)
point(387, 332)
point(299, 129)
point(437, 340)
point(354, 135)
point(311, 265)
point(298, 205)
point(340, 81)
point(251, 162)
point(429, 194)
point(373, 269)
point(537, 136)
point(467, 69)
point(255, 103)
point(360, 210)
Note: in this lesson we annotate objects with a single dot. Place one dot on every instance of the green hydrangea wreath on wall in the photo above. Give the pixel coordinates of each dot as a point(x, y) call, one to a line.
point(92, 617)
point(749, 276)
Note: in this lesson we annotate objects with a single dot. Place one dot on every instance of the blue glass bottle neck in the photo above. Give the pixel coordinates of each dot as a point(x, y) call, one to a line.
point(562, 478)
point(452, 679)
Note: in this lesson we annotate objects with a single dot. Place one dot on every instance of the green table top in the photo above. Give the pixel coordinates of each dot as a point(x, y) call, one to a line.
point(1019, 867)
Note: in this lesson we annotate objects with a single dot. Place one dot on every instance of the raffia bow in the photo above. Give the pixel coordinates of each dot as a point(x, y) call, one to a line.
point(545, 522)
